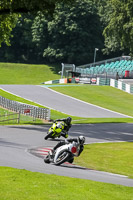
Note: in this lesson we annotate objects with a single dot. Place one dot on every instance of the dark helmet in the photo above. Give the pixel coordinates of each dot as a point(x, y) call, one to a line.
point(68, 120)
point(81, 139)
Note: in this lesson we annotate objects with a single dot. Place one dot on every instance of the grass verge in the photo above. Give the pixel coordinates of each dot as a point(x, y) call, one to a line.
point(110, 157)
point(26, 185)
point(16, 73)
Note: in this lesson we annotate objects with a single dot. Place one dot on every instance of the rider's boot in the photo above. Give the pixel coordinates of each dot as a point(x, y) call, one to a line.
point(71, 160)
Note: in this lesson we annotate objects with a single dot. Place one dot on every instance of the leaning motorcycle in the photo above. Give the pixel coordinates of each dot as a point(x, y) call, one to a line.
point(62, 154)
point(55, 130)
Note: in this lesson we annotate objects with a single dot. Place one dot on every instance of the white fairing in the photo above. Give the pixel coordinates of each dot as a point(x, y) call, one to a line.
point(67, 147)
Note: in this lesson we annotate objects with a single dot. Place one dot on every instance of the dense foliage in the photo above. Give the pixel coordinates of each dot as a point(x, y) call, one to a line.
point(119, 31)
point(10, 10)
point(25, 6)
point(74, 32)
point(53, 31)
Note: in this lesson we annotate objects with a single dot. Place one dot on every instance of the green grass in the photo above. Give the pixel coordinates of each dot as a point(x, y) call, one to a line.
point(24, 119)
point(12, 73)
point(104, 96)
point(25, 185)
point(110, 157)
point(102, 120)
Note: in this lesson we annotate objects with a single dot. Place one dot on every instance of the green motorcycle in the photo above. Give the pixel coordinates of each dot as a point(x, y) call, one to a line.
point(55, 130)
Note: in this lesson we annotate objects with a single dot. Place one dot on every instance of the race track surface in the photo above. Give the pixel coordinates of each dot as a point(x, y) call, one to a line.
point(17, 141)
point(19, 144)
point(51, 99)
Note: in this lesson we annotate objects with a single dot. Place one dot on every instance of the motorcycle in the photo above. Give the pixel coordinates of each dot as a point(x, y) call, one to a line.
point(55, 130)
point(64, 153)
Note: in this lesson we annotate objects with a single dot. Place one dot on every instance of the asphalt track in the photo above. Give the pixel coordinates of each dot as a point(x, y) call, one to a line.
point(17, 141)
point(59, 102)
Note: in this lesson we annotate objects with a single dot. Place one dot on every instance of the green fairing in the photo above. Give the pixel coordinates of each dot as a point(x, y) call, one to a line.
point(56, 130)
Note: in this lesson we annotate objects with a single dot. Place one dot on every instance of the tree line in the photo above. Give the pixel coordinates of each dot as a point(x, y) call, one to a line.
point(65, 31)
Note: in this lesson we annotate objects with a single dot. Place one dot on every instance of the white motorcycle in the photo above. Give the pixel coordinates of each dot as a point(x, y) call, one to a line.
point(64, 153)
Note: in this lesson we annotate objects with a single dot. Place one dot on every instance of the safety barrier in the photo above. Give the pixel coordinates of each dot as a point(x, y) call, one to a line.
point(103, 81)
point(33, 111)
point(10, 117)
point(122, 86)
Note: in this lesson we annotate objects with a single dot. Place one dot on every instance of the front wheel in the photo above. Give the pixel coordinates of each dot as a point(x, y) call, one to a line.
point(47, 159)
point(49, 135)
point(63, 157)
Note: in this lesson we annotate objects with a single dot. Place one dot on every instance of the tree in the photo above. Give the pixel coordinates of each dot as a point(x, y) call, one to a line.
point(119, 30)
point(74, 33)
point(7, 23)
point(10, 11)
point(26, 6)
point(40, 35)
point(21, 48)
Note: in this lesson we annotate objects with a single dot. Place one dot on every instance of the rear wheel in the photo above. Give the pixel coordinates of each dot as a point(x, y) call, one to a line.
point(63, 157)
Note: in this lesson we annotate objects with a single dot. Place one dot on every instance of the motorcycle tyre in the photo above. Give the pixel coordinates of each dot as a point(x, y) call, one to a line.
point(47, 160)
point(64, 159)
point(49, 135)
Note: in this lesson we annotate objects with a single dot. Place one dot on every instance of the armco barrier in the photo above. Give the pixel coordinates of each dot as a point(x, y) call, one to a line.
point(33, 111)
point(122, 86)
point(103, 81)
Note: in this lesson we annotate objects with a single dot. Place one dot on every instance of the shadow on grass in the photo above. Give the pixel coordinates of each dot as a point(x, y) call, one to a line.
point(55, 68)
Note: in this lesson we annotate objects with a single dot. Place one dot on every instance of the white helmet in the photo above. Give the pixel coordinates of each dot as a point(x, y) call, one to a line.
point(81, 139)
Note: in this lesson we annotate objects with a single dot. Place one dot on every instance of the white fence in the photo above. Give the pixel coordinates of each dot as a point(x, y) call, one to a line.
point(10, 117)
point(33, 111)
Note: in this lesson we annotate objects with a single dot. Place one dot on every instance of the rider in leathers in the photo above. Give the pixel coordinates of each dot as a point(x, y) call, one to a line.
point(80, 139)
point(67, 125)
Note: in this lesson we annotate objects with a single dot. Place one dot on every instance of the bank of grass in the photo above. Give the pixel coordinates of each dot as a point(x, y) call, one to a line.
point(110, 157)
point(26, 185)
point(16, 73)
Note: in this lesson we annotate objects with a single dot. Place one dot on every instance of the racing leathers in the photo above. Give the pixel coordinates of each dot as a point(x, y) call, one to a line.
point(66, 142)
point(67, 126)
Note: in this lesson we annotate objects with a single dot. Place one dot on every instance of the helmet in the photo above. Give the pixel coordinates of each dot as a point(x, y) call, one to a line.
point(68, 120)
point(81, 139)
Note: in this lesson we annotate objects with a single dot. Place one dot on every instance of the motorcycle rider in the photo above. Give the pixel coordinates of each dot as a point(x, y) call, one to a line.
point(67, 125)
point(80, 140)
